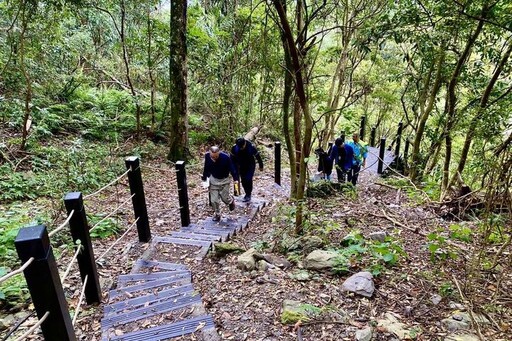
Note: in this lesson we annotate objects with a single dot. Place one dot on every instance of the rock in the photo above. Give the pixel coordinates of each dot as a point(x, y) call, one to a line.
point(277, 261)
point(462, 337)
point(311, 243)
point(246, 260)
point(360, 283)
point(364, 334)
point(392, 325)
point(223, 249)
point(378, 236)
point(263, 265)
point(295, 311)
point(457, 306)
point(301, 276)
point(461, 320)
point(6, 322)
point(320, 260)
point(436, 299)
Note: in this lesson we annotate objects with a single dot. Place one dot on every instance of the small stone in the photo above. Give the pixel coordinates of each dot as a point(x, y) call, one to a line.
point(378, 236)
point(262, 265)
point(364, 334)
point(457, 306)
point(6, 322)
point(301, 276)
point(360, 283)
point(311, 243)
point(320, 260)
point(436, 299)
point(246, 260)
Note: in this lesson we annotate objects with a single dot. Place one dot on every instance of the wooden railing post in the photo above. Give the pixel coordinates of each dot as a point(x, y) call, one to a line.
point(398, 139)
point(138, 200)
point(277, 162)
point(342, 136)
point(43, 282)
point(372, 136)
point(181, 177)
point(406, 154)
point(80, 232)
point(382, 150)
point(362, 128)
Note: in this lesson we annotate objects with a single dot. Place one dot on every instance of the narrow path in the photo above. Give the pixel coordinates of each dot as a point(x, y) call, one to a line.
point(157, 300)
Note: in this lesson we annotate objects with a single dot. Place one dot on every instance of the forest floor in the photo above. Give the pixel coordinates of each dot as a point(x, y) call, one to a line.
point(433, 278)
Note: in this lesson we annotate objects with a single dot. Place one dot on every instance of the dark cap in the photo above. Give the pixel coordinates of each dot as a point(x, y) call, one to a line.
point(240, 142)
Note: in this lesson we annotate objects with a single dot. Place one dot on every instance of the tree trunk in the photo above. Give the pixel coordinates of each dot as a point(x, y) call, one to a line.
point(478, 115)
point(451, 98)
point(178, 139)
point(28, 81)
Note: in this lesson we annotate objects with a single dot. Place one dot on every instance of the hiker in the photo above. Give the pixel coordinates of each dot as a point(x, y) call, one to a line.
point(342, 155)
point(324, 164)
point(244, 156)
point(359, 159)
point(217, 167)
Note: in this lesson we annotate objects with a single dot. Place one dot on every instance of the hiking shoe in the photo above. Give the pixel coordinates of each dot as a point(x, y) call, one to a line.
point(216, 217)
point(247, 198)
point(232, 205)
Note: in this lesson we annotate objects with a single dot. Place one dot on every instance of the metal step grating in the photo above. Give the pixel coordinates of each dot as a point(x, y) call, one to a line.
point(175, 281)
point(124, 280)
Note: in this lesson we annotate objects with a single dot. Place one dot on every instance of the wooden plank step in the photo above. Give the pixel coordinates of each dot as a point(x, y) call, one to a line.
point(159, 265)
point(181, 241)
point(123, 280)
point(175, 281)
point(153, 297)
point(197, 236)
point(168, 331)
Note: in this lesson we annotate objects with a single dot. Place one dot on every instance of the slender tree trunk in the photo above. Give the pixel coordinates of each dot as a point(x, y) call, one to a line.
point(178, 141)
point(451, 98)
point(28, 80)
point(479, 114)
point(152, 81)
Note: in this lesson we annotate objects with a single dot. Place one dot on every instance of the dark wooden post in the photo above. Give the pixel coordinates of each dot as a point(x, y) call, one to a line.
point(382, 150)
point(277, 162)
point(372, 136)
point(43, 282)
point(342, 136)
point(139, 200)
point(329, 148)
point(398, 139)
point(406, 152)
point(181, 177)
point(362, 128)
point(80, 232)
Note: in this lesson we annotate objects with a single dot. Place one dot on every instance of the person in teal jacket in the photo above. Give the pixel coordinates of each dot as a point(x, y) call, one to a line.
point(359, 160)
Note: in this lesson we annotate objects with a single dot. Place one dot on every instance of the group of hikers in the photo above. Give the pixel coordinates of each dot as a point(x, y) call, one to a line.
point(218, 165)
point(346, 158)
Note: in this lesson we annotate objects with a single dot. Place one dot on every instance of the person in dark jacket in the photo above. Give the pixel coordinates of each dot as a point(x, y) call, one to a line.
point(217, 167)
point(342, 155)
point(324, 164)
point(244, 156)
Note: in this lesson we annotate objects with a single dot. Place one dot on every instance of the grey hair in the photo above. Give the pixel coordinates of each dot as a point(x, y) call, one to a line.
point(214, 149)
point(355, 134)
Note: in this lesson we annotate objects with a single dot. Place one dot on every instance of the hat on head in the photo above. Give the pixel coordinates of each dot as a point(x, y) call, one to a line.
point(240, 142)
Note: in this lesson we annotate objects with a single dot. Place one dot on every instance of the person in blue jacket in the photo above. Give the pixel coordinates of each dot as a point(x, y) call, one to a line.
point(359, 160)
point(342, 155)
point(217, 167)
point(244, 156)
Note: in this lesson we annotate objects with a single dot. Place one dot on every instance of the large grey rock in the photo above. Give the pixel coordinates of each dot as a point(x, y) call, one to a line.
point(294, 311)
point(391, 324)
point(320, 260)
point(246, 261)
point(461, 320)
point(360, 283)
point(6, 321)
point(364, 334)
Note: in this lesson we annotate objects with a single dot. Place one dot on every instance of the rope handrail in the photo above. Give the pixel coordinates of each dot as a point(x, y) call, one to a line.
point(18, 271)
point(111, 213)
point(79, 304)
point(118, 239)
point(33, 328)
point(110, 183)
point(61, 226)
point(71, 263)
point(160, 169)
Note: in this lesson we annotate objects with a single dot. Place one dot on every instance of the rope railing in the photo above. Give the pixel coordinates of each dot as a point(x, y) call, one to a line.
point(112, 213)
point(18, 271)
point(33, 328)
point(107, 185)
point(80, 300)
point(118, 239)
point(71, 263)
point(63, 225)
point(160, 169)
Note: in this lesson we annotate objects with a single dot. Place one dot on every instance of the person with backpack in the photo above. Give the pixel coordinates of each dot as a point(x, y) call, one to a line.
point(342, 155)
point(244, 156)
point(359, 160)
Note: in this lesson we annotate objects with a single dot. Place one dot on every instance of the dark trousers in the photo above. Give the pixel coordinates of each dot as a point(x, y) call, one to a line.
point(342, 174)
point(246, 177)
point(353, 174)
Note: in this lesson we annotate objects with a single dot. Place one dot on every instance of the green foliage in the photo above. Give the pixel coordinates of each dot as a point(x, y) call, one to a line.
point(105, 228)
point(439, 249)
point(446, 289)
point(461, 232)
point(260, 245)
